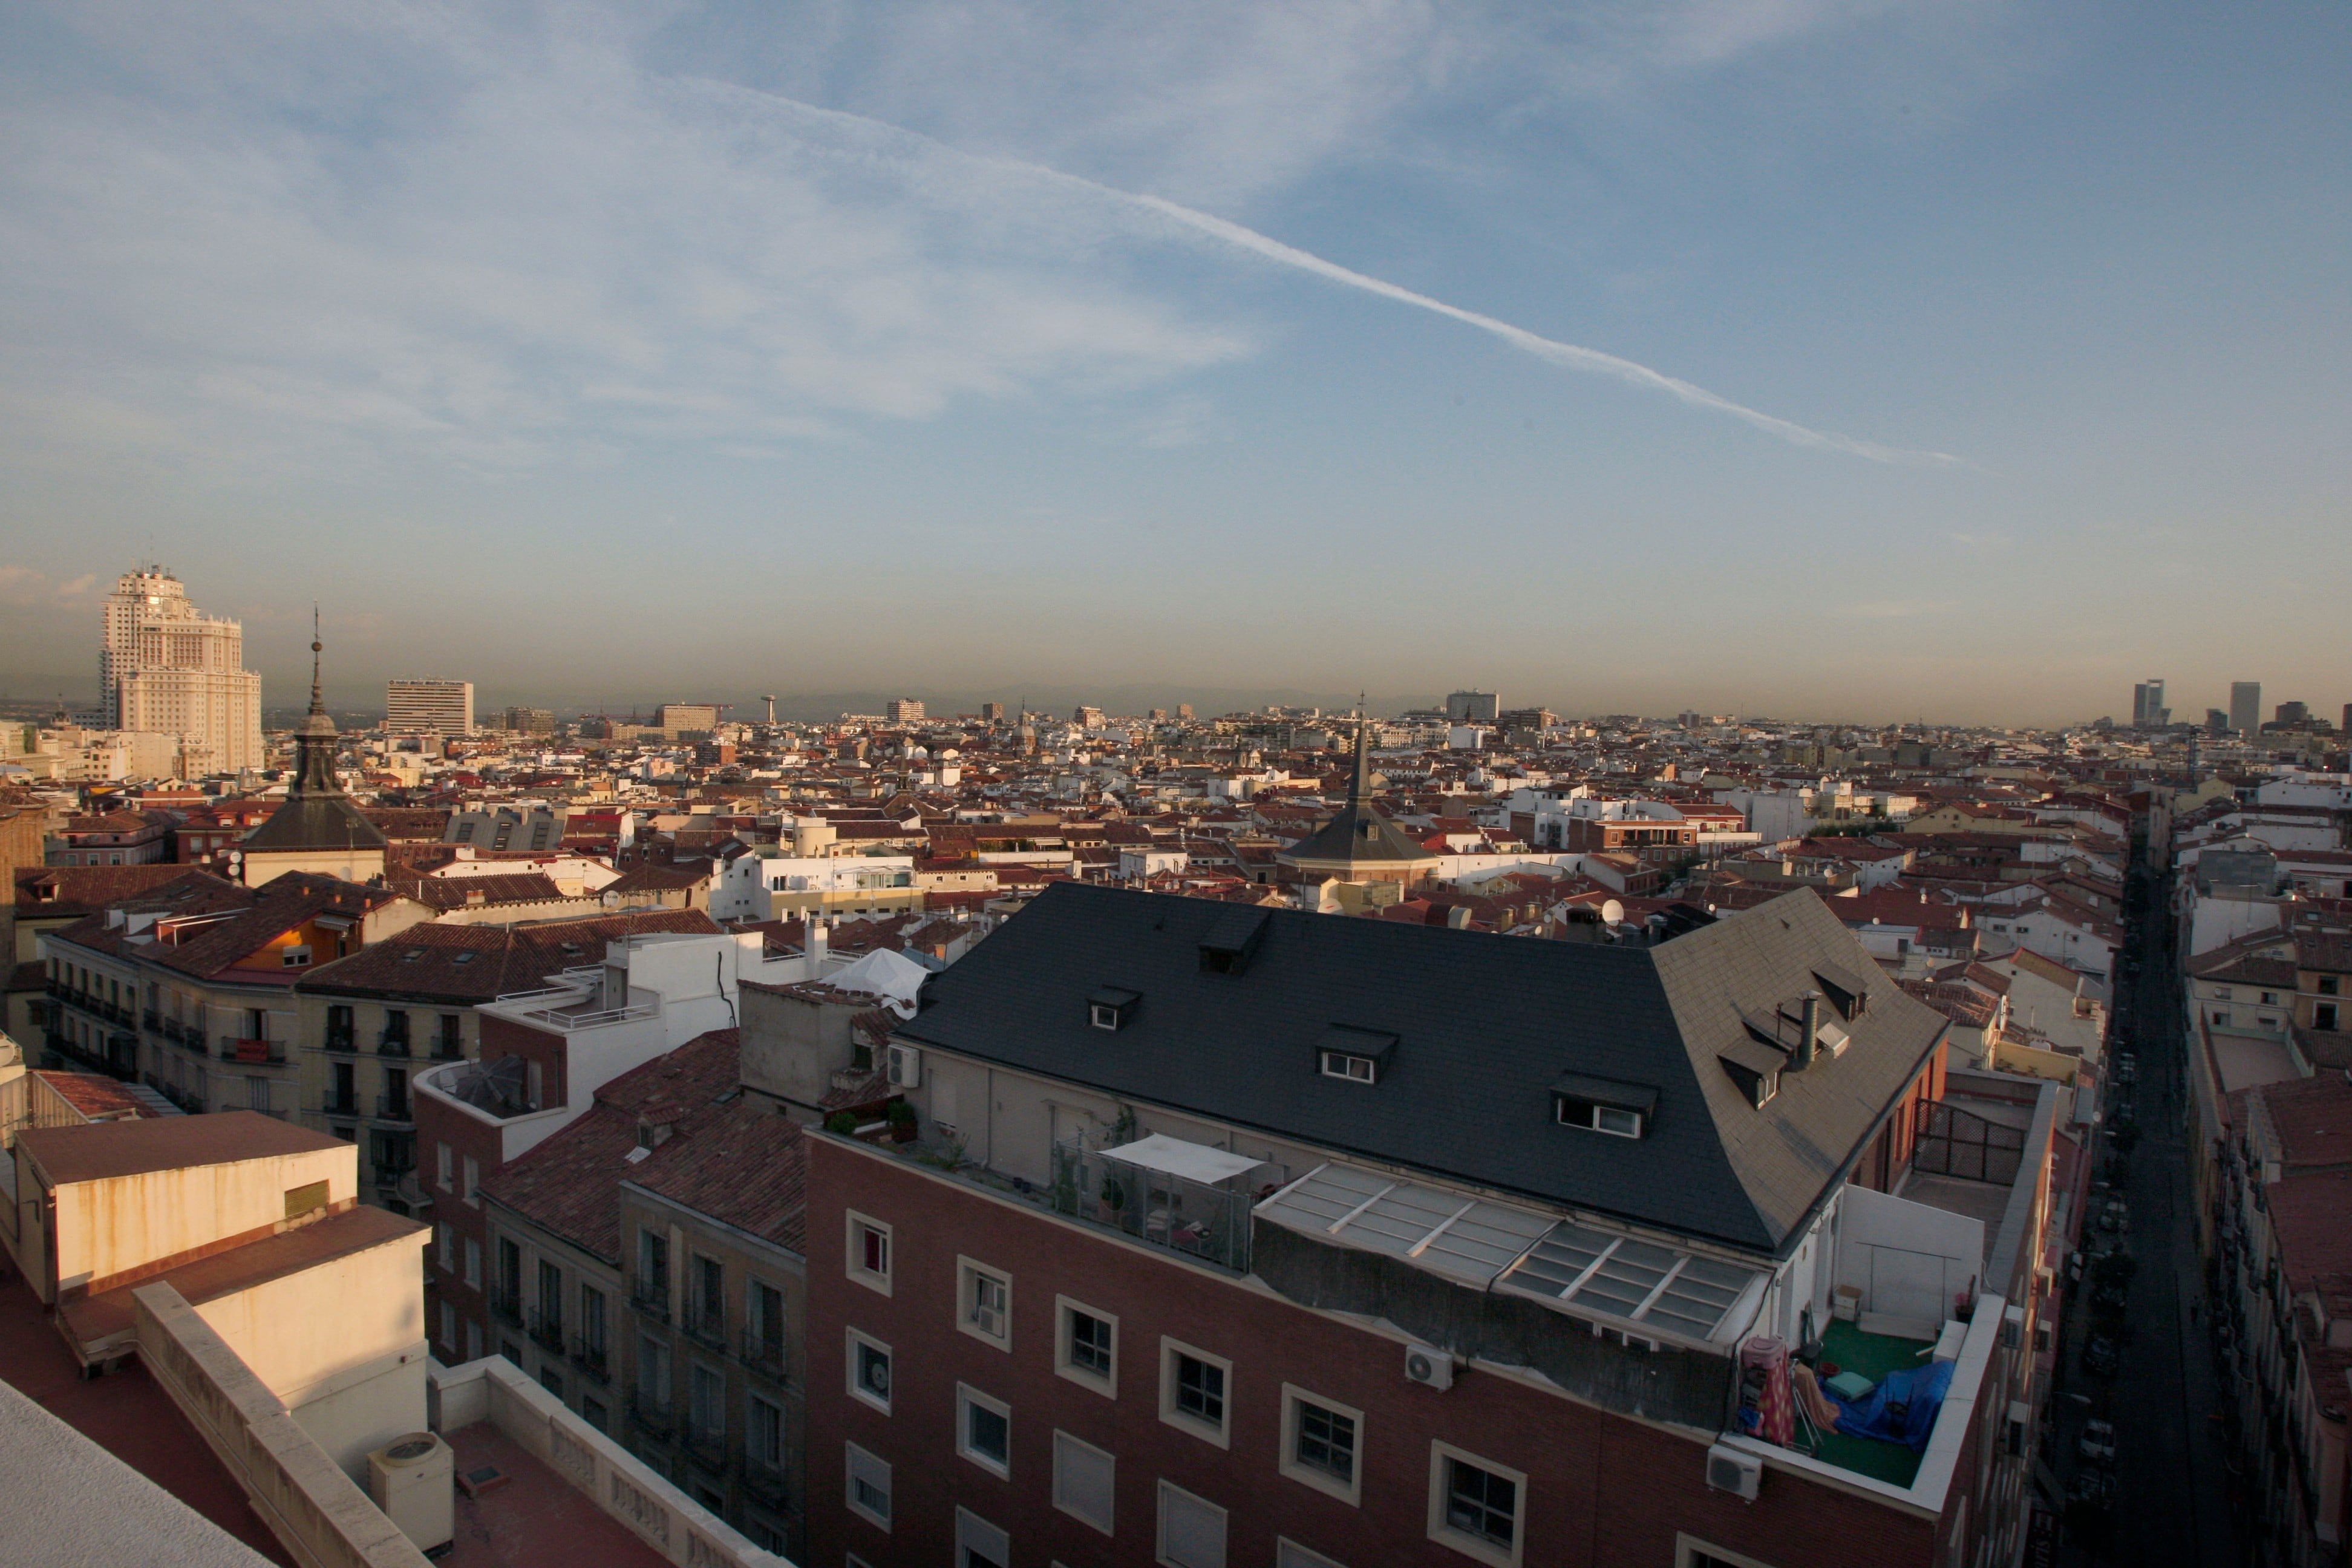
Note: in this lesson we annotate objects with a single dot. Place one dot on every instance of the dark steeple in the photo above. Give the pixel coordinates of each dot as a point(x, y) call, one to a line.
point(1357, 838)
point(317, 815)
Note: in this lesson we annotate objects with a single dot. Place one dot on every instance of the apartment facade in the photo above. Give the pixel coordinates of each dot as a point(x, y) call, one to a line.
point(189, 988)
point(1236, 1236)
point(428, 708)
point(167, 668)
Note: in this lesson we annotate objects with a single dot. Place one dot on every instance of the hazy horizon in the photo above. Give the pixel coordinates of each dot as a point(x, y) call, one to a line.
point(1857, 360)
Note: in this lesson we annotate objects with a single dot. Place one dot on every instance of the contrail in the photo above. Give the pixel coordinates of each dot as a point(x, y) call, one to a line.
point(1573, 355)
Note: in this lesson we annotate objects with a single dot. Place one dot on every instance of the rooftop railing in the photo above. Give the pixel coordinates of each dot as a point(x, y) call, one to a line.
point(1211, 1224)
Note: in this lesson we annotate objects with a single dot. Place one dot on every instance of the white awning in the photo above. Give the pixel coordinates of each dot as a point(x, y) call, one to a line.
point(1174, 1157)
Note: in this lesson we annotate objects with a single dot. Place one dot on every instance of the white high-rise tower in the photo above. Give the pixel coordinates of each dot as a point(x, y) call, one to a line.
point(164, 668)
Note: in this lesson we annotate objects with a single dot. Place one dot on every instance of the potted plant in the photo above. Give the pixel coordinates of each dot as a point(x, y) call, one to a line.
point(841, 1122)
point(1112, 1199)
point(902, 1122)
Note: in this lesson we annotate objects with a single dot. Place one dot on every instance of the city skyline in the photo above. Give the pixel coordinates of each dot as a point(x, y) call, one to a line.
point(1240, 350)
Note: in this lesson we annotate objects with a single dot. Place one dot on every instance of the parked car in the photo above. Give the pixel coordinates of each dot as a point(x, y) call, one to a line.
point(2100, 1357)
point(2099, 1444)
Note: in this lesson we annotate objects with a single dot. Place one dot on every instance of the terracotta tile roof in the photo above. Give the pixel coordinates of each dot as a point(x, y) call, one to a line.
point(726, 1156)
point(473, 892)
point(470, 964)
point(47, 890)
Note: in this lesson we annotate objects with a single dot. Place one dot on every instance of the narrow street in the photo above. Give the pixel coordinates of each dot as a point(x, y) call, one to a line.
point(2170, 1501)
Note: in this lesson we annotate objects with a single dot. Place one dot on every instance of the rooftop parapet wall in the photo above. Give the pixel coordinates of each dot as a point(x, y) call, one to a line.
point(496, 1391)
point(321, 1519)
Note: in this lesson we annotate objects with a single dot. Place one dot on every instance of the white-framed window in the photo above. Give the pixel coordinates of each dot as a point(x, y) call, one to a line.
point(445, 1244)
point(1618, 1120)
point(1086, 1345)
point(984, 1430)
point(984, 1302)
point(1196, 1390)
point(473, 1340)
point(473, 1263)
point(1102, 1015)
point(979, 1544)
point(449, 1327)
point(442, 1160)
point(1692, 1552)
point(1322, 1442)
point(1192, 1530)
point(1289, 1553)
point(1476, 1505)
point(868, 1252)
point(1085, 1481)
point(1350, 1066)
point(706, 1400)
point(869, 1371)
point(472, 1192)
point(866, 1486)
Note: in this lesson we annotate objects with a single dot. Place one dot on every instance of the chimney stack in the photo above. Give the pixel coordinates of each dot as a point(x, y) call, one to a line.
point(1808, 1040)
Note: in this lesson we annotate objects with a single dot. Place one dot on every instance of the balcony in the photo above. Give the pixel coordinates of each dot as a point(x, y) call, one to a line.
point(446, 1049)
point(391, 1044)
point(650, 1299)
point(258, 1053)
point(391, 1175)
point(766, 1484)
point(547, 1329)
point(505, 1306)
point(1138, 1199)
point(761, 1357)
point(650, 1416)
point(151, 1020)
point(708, 1444)
point(339, 1105)
point(396, 1108)
point(591, 1359)
point(705, 1323)
point(338, 1042)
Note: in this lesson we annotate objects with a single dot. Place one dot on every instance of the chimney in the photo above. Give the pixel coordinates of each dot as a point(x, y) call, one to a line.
point(1458, 918)
point(1809, 1038)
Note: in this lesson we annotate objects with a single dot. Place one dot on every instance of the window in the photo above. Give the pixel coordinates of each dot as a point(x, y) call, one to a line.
point(2327, 984)
point(1102, 1015)
point(979, 1544)
point(592, 1326)
point(984, 1430)
point(449, 1328)
point(868, 1494)
point(445, 1245)
point(2270, 998)
point(551, 1380)
point(653, 1268)
point(2222, 993)
point(869, 1371)
point(1087, 1346)
point(473, 1263)
point(442, 1162)
point(986, 1299)
point(870, 1252)
point(763, 1432)
point(1192, 1530)
point(592, 1412)
point(2323, 1016)
point(1690, 1552)
point(1319, 1442)
point(763, 1325)
point(1192, 1390)
point(1343, 1064)
point(550, 1300)
point(2222, 1019)
point(1574, 1110)
point(706, 1401)
point(1084, 1477)
point(473, 1336)
point(709, 1307)
point(1474, 1505)
point(471, 1192)
point(1289, 1553)
point(653, 1370)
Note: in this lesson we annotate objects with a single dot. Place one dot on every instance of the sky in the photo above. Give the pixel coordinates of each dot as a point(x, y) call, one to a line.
point(1855, 360)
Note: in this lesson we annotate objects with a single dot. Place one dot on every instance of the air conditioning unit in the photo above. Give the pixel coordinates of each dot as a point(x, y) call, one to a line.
point(1729, 1470)
point(409, 1477)
point(906, 1066)
point(1432, 1367)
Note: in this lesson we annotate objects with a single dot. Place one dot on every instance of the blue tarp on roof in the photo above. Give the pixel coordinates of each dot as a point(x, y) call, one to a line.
point(1901, 1409)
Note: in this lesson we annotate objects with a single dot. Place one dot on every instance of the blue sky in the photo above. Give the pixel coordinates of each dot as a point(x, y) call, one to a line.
point(615, 354)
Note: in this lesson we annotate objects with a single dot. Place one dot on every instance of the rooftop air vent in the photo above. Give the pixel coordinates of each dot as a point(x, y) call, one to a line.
point(1231, 939)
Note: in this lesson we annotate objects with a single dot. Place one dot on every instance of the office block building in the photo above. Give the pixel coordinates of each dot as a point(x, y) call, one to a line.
point(428, 707)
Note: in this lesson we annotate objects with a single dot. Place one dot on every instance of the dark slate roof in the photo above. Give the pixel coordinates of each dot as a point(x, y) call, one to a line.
point(1486, 1027)
point(470, 964)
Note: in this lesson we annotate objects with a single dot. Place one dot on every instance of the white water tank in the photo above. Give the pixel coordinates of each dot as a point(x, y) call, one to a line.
point(411, 1479)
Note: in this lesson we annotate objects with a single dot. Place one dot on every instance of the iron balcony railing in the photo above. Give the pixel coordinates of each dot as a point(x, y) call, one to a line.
point(705, 1323)
point(339, 1105)
point(650, 1298)
point(591, 1359)
point(395, 1107)
point(390, 1044)
point(506, 1305)
point(342, 1041)
point(650, 1415)
point(762, 1356)
point(547, 1329)
point(708, 1444)
point(766, 1483)
point(151, 1019)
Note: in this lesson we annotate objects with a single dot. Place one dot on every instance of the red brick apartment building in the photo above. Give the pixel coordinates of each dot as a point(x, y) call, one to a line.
point(1236, 1235)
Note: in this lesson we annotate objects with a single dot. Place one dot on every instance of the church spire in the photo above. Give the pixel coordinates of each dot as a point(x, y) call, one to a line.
point(317, 705)
point(315, 744)
point(1360, 786)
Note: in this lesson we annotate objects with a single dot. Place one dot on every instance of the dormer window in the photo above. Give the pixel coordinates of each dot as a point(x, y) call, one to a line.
point(1354, 1068)
point(1604, 1105)
point(1112, 1007)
